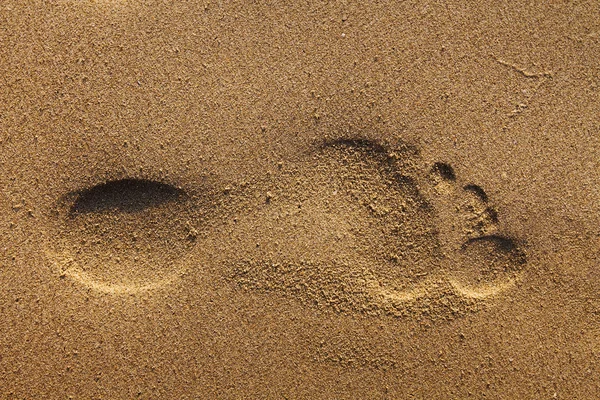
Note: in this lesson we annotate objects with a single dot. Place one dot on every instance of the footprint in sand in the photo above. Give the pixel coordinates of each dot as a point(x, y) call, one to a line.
point(124, 236)
point(353, 225)
point(359, 226)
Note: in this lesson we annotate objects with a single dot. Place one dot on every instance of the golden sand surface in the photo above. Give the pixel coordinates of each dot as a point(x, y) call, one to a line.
point(362, 200)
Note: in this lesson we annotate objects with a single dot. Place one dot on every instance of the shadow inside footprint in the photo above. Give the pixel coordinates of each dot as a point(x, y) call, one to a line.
point(124, 195)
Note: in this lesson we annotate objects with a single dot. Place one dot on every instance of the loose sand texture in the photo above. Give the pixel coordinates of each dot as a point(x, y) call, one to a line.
point(314, 200)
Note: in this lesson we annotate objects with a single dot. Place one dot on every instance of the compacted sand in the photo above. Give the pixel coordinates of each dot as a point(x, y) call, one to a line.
point(322, 200)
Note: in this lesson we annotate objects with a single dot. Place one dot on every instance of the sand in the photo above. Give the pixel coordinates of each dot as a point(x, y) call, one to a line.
point(322, 200)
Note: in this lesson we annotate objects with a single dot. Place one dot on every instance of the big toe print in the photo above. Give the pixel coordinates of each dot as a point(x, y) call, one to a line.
point(358, 226)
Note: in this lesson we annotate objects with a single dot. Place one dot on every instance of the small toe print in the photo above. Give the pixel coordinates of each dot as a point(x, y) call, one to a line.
point(444, 171)
point(477, 191)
